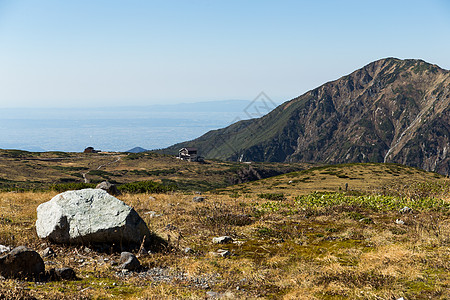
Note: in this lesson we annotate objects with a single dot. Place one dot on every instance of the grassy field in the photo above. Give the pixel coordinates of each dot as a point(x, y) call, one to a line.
point(303, 235)
point(22, 171)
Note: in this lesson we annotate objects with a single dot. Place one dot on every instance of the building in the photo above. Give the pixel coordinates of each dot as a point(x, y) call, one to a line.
point(189, 154)
point(91, 150)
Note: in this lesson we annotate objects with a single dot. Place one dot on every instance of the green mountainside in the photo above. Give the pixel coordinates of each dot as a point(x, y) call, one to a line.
point(391, 110)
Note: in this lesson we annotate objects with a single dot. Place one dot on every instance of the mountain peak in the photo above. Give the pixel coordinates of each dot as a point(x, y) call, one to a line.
point(391, 110)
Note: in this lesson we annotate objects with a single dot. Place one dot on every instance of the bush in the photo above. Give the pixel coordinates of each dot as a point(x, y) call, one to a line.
point(70, 186)
point(145, 187)
point(272, 196)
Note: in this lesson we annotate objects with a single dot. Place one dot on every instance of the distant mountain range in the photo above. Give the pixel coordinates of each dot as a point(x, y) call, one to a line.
point(391, 110)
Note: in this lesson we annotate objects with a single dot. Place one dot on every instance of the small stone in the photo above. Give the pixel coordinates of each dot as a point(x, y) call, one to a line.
point(61, 274)
point(405, 210)
point(4, 249)
point(129, 261)
point(223, 253)
point(188, 250)
point(222, 240)
point(399, 222)
point(108, 187)
point(152, 214)
point(211, 294)
point(198, 199)
point(48, 253)
point(291, 181)
point(66, 273)
point(151, 198)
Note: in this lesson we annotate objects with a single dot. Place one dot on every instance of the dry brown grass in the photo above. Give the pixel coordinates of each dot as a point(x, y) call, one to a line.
point(281, 254)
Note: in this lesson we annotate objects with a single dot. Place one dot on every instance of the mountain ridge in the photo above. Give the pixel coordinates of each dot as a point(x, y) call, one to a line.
point(390, 110)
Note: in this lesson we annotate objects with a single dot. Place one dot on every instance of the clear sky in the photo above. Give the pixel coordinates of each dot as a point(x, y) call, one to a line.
point(137, 52)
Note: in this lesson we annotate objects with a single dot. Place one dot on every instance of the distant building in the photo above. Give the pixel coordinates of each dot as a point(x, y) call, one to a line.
point(91, 150)
point(189, 154)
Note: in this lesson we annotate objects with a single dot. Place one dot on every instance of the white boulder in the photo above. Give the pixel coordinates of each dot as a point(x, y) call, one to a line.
point(89, 216)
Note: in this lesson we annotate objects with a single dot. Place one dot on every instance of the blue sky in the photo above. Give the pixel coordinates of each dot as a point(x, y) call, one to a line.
point(97, 53)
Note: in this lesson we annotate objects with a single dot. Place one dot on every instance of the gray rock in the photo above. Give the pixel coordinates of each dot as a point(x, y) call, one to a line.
point(48, 252)
point(213, 295)
point(198, 199)
point(108, 187)
point(188, 250)
point(222, 240)
point(4, 249)
point(129, 261)
point(22, 262)
point(89, 216)
point(152, 214)
point(399, 222)
point(405, 210)
point(223, 253)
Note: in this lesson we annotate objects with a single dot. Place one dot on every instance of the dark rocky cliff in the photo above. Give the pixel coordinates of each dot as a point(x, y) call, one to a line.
point(391, 110)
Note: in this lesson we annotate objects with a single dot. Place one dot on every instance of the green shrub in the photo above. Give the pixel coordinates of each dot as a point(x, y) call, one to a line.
point(272, 196)
point(145, 187)
point(70, 186)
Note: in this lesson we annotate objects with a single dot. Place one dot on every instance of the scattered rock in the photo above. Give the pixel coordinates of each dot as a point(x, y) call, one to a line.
point(129, 261)
point(151, 198)
point(4, 249)
point(223, 253)
point(188, 250)
point(405, 210)
point(48, 253)
point(89, 216)
point(399, 222)
point(211, 294)
point(62, 274)
point(22, 262)
point(222, 240)
point(108, 187)
point(152, 214)
point(291, 181)
point(198, 199)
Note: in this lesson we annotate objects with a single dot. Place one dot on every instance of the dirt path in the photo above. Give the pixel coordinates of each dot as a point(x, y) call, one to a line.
point(86, 180)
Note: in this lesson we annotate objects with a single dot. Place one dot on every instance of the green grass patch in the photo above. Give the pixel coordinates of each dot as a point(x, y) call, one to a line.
point(272, 196)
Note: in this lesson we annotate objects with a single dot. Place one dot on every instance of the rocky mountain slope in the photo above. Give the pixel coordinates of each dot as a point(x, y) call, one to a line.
point(391, 110)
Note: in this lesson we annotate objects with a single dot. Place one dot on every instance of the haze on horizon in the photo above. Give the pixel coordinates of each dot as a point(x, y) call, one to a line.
point(115, 53)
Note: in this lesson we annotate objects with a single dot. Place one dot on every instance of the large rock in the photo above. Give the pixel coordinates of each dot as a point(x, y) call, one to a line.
point(90, 216)
point(22, 262)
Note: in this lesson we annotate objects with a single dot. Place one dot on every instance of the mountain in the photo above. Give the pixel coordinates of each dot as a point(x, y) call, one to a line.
point(137, 150)
point(391, 110)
